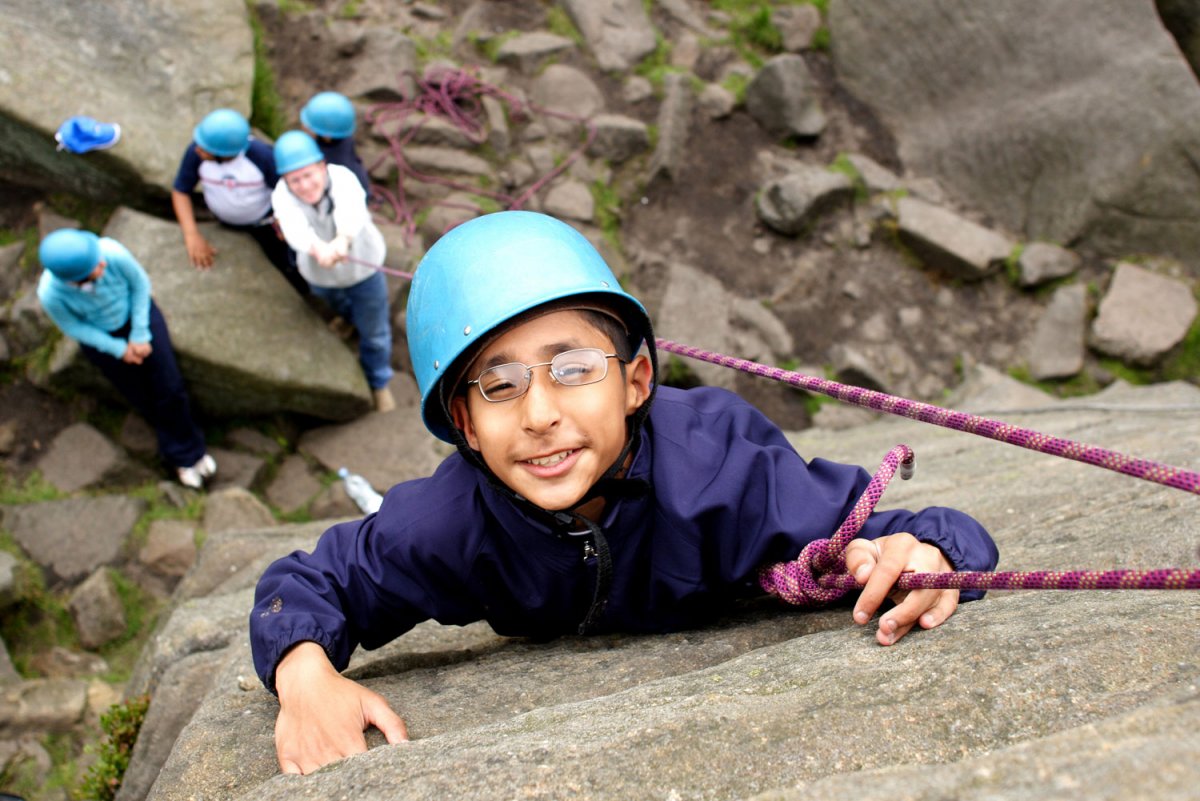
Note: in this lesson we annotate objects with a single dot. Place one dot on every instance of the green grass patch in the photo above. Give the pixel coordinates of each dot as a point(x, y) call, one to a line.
point(657, 65)
point(1012, 265)
point(36, 623)
point(120, 726)
point(736, 83)
point(266, 105)
point(842, 164)
point(559, 23)
point(433, 48)
point(23, 778)
point(676, 373)
point(1184, 364)
point(490, 47)
point(34, 489)
point(608, 212)
point(350, 9)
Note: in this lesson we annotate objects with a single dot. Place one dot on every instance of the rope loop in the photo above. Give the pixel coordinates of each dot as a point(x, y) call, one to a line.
point(818, 575)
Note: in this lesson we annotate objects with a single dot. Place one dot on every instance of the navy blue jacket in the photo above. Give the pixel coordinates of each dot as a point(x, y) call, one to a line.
point(728, 494)
point(342, 151)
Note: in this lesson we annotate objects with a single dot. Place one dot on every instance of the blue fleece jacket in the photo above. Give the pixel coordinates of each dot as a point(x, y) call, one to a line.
point(727, 493)
point(90, 312)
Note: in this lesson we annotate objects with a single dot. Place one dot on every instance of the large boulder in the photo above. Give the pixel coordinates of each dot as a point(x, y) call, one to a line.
point(768, 701)
point(246, 342)
point(155, 67)
point(1064, 127)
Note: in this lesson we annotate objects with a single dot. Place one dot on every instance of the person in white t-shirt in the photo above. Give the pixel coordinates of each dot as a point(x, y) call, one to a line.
point(235, 173)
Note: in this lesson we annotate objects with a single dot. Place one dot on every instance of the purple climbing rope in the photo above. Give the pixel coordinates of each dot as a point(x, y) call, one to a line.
point(1177, 477)
point(818, 576)
point(456, 95)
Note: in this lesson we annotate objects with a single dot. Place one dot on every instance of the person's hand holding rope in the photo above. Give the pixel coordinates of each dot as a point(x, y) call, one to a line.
point(877, 564)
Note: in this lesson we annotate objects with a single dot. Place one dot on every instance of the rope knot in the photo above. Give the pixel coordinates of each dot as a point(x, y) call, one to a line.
point(799, 582)
point(812, 578)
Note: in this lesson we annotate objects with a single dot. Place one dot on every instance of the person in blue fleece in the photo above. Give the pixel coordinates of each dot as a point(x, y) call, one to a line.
point(582, 498)
point(97, 293)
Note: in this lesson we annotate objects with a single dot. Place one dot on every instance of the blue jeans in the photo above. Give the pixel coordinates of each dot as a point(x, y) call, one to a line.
point(365, 305)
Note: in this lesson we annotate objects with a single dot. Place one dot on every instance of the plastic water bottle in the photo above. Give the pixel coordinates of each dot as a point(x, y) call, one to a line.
point(361, 491)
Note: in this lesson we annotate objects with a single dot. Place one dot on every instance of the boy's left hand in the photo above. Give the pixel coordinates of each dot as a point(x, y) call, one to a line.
point(877, 571)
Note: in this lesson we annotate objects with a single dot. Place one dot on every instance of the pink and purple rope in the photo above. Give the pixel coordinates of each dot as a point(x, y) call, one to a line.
point(819, 575)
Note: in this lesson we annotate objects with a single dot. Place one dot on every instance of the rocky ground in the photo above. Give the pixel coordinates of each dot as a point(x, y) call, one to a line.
point(844, 287)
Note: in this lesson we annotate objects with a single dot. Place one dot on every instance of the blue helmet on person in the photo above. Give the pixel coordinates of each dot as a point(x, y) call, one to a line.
point(486, 272)
point(69, 253)
point(224, 133)
point(296, 149)
point(329, 114)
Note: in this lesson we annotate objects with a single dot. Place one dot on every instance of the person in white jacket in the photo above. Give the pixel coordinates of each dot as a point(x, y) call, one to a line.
point(322, 211)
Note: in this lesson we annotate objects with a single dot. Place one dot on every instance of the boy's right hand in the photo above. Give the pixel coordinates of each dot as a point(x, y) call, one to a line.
point(322, 714)
point(199, 251)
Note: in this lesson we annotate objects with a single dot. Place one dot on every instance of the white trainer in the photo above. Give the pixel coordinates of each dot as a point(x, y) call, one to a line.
point(195, 475)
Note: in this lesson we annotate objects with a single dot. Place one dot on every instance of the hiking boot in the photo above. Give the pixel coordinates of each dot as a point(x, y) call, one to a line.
point(384, 402)
point(341, 327)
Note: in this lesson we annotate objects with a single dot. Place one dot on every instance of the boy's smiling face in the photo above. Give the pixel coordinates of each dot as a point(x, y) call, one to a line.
point(553, 443)
point(307, 183)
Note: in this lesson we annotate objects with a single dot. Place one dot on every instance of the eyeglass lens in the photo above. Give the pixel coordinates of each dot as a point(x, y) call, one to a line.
point(572, 368)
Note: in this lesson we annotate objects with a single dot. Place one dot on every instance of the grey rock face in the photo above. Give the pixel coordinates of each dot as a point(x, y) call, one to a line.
point(80, 456)
point(1061, 128)
point(1023, 678)
point(674, 123)
point(527, 51)
point(1041, 262)
point(50, 56)
point(246, 342)
point(8, 580)
point(1057, 346)
point(618, 31)
point(782, 98)
point(948, 242)
point(383, 448)
point(378, 62)
point(568, 92)
point(792, 203)
point(170, 548)
point(50, 532)
point(235, 508)
point(183, 687)
point(618, 138)
point(1142, 315)
point(97, 611)
point(41, 705)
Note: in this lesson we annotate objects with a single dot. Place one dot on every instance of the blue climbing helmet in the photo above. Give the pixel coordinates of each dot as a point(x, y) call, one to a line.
point(224, 133)
point(488, 271)
point(296, 149)
point(329, 114)
point(70, 254)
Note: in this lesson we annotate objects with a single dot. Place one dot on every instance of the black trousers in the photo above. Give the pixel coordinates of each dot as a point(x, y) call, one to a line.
point(155, 389)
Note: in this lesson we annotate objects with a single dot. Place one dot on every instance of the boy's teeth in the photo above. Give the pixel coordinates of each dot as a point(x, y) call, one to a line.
point(554, 458)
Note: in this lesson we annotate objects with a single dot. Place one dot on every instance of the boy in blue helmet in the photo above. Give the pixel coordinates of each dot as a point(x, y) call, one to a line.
point(322, 211)
point(330, 119)
point(582, 497)
point(96, 293)
point(235, 173)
